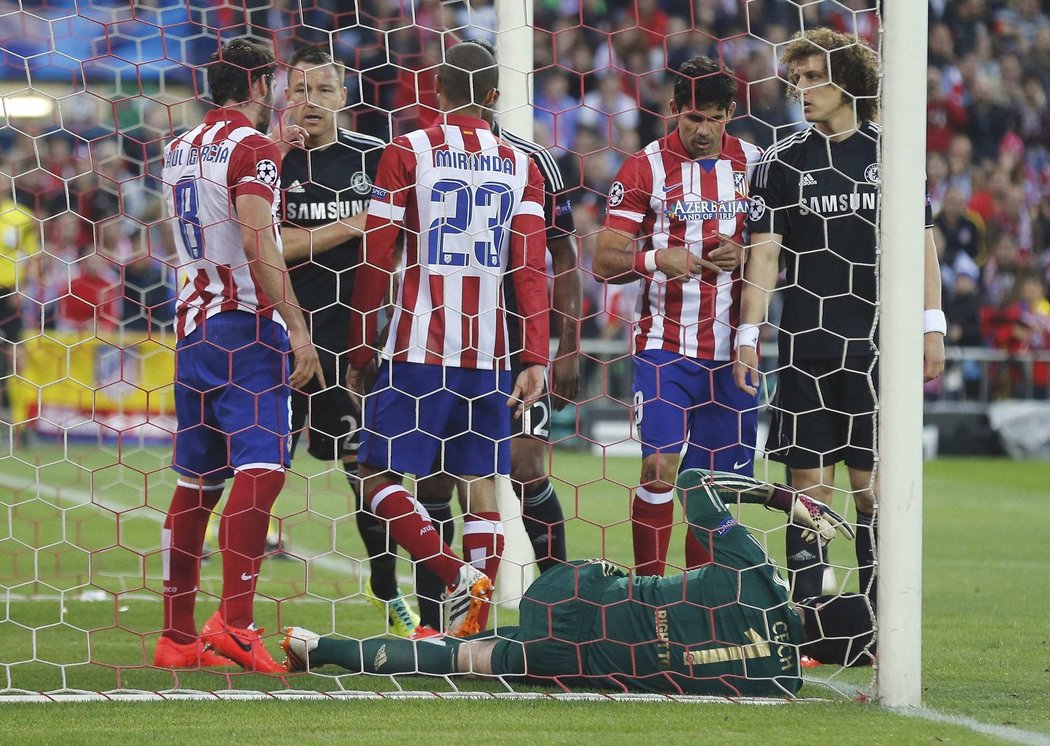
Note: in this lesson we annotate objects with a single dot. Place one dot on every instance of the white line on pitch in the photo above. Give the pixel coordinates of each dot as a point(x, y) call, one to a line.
point(348, 567)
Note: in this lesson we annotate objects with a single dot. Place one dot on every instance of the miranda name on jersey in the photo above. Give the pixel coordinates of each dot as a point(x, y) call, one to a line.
point(472, 161)
point(708, 209)
point(835, 204)
point(325, 210)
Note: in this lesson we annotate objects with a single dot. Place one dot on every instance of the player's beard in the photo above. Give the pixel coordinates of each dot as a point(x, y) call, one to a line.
point(266, 111)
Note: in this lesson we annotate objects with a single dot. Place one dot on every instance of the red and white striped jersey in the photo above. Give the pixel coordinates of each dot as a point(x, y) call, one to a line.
point(470, 208)
point(204, 172)
point(668, 199)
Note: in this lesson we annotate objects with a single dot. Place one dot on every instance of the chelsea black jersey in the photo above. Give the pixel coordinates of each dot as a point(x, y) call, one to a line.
point(823, 198)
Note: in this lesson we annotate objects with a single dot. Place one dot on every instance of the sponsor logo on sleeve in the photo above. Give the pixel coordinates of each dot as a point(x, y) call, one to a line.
point(616, 194)
point(378, 193)
point(724, 526)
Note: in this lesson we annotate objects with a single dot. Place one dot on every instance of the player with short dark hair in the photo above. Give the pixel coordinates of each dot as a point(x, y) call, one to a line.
point(237, 321)
point(725, 629)
point(815, 206)
point(327, 188)
point(470, 209)
point(685, 197)
point(542, 514)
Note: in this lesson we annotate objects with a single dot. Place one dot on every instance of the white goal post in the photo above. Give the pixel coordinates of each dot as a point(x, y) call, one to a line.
point(899, 467)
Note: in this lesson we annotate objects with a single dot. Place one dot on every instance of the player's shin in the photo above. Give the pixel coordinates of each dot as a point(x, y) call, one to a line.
point(380, 547)
point(867, 536)
point(429, 586)
point(652, 515)
point(414, 531)
point(545, 524)
point(182, 542)
point(242, 540)
point(383, 655)
point(805, 564)
point(483, 541)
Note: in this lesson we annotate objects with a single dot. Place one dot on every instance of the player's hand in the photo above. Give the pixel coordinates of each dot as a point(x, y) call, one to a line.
point(360, 381)
point(307, 364)
point(565, 379)
point(932, 355)
point(527, 389)
point(681, 264)
point(728, 255)
point(745, 370)
point(289, 135)
point(818, 521)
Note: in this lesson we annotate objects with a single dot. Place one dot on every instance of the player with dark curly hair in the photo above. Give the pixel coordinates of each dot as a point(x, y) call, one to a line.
point(815, 205)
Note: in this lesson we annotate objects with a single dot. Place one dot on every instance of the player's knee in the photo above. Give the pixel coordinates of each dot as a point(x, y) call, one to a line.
point(865, 501)
point(657, 475)
point(434, 489)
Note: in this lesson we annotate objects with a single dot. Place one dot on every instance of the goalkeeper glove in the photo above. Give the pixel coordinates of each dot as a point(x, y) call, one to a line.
point(818, 521)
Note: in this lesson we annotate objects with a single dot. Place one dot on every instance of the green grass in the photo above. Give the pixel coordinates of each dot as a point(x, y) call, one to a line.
point(78, 558)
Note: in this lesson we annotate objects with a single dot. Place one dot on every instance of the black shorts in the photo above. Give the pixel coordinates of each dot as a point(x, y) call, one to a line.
point(823, 413)
point(335, 425)
point(535, 421)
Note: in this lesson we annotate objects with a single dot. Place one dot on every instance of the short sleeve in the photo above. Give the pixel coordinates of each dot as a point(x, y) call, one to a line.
point(768, 196)
point(630, 195)
point(394, 178)
point(255, 168)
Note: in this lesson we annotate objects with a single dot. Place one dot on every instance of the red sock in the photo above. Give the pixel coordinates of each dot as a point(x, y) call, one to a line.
point(414, 531)
point(242, 540)
point(181, 543)
point(695, 554)
point(483, 541)
point(651, 516)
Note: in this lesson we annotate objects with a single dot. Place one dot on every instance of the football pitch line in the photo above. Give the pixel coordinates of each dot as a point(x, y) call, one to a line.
point(83, 497)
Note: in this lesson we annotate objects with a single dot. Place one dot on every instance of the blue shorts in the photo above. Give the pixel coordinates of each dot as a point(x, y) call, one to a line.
point(683, 401)
point(418, 416)
point(232, 400)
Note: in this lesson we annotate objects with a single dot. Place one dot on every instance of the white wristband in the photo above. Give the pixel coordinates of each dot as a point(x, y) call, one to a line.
point(747, 335)
point(650, 260)
point(933, 321)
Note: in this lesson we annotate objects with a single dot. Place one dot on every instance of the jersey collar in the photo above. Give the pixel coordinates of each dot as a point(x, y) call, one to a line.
point(227, 115)
point(458, 120)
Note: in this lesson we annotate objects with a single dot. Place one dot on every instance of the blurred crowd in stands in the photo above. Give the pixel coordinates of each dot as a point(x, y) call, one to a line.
point(602, 82)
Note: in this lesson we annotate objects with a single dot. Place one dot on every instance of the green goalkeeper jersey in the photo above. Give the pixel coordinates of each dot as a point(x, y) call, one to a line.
point(723, 629)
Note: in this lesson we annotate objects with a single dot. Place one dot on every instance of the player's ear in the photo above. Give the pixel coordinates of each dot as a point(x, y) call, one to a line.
point(491, 98)
point(673, 106)
point(730, 109)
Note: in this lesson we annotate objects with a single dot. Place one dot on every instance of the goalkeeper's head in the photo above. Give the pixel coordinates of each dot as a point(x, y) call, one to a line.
point(838, 630)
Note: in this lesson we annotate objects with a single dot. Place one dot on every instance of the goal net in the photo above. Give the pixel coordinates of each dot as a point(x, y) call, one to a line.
point(90, 92)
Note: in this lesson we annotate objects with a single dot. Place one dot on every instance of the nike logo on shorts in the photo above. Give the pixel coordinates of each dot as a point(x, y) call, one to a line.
point(741, 465)
point(246, 576)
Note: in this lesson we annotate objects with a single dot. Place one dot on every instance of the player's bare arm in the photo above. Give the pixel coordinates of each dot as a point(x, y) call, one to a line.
point(760, 279)
point(933, 341)
point(568, 297)
point(268, 270)
point(615, 261)
point(303, 243)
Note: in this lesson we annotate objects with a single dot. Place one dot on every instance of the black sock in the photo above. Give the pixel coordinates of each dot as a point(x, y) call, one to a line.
point(379, 545)
point(867, 531)
point(545, 524)
point(429, 586)
point(384, 655)
point(805, 563)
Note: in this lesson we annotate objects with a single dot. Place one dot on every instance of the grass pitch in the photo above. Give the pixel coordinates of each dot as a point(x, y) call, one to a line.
point(79, 574)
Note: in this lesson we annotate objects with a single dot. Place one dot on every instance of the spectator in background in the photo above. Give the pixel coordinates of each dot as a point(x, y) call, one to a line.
point(987, 119)
point(558, 111)
point(609, 111)
point(963, 229)
point(944, 114)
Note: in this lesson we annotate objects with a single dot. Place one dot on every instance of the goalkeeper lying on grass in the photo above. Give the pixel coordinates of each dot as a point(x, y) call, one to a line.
point(723, 629)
